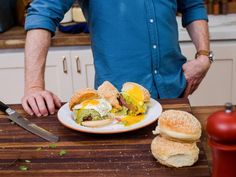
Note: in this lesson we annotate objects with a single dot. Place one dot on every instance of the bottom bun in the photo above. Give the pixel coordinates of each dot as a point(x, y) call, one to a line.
point(174, 154)
point(97, 123)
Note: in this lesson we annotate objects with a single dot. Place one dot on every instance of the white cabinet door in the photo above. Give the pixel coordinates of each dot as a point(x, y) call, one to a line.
point(58, 74)
point(219, 83)
point(82, 68)
point(57, 80)
point(11, 77)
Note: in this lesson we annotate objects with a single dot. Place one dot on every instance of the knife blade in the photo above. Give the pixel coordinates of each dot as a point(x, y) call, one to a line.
point(26, 124)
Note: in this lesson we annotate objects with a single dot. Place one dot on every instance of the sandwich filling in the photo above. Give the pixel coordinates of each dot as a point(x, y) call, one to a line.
point(91, 110)
point(134, 106)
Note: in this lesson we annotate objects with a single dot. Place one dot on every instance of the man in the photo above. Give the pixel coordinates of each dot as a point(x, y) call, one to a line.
point(132, 40)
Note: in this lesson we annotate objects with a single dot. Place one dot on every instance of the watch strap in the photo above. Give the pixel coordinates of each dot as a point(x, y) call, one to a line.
point(202, 52)
point(205, 53)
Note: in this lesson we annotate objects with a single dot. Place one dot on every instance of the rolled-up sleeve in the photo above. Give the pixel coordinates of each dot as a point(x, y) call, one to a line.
point(192, 10)
point(46, 14)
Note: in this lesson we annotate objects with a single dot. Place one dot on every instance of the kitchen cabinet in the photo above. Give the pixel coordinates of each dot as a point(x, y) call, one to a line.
point(59, 76)
point(82, 68)
point(67, 70)
point(11, 76)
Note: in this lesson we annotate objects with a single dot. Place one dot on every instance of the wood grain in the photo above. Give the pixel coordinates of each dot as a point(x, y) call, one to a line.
point(125, 154)
point(15, 38)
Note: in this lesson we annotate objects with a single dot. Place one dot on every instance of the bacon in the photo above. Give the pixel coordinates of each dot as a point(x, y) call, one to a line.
point(89, 118)
point(125, 104)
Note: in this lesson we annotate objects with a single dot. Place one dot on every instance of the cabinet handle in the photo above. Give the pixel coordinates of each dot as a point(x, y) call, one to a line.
point(64, 65)
point(78, 65)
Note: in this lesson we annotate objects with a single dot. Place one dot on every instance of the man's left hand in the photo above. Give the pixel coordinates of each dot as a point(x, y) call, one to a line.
point(195, 70)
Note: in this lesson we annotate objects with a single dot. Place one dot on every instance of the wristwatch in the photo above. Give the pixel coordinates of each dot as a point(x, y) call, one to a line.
point(207, 53)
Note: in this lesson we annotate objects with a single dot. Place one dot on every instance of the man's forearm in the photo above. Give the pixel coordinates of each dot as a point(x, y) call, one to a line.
point(198, 31)
point(36, 48)
point(195, 70)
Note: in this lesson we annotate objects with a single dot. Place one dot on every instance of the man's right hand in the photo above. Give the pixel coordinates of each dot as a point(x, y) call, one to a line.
point(40, 102)
point(37, 100)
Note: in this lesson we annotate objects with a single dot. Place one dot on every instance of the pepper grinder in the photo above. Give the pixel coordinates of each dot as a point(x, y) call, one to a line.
point(221, 129)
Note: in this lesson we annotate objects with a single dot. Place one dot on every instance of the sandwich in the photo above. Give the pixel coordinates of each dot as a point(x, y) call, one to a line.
point(132, 100)
point(110, 93)
point(89, 109)
point(135, 98)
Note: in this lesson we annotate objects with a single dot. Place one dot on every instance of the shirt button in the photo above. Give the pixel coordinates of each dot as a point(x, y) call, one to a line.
point(151, 20)
point(154, 46)
point(155, 71)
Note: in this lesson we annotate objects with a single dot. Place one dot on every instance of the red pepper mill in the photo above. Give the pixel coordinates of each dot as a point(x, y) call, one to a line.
point(221, 129)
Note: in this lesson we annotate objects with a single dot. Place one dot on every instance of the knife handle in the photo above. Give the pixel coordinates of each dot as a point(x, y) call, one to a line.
point(3, 107)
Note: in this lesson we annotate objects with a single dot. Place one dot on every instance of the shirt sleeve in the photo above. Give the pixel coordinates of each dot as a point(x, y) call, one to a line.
point(46, 14)
point(192, 10)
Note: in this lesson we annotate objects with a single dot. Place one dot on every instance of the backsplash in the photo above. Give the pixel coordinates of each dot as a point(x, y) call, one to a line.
point(218, 7)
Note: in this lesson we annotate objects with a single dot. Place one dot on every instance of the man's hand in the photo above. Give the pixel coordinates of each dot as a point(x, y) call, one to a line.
point(195, 70)
point(40, 102)
point(37, 100)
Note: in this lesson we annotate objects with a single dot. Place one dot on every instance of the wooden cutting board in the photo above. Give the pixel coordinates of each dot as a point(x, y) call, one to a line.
point(121, 155)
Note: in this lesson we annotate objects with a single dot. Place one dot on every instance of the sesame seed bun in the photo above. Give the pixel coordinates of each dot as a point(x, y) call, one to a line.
point(81, 95)
point(179, 126)
point(110, 93)
point(174, 154)
point(97, 123)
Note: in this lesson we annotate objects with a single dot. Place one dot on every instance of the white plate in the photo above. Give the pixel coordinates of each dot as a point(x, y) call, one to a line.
point(154, 111)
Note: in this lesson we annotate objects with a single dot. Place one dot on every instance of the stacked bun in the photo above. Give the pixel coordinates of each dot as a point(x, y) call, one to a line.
point(175, 146)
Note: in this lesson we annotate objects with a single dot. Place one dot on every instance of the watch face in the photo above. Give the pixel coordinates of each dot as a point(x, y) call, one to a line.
point(211, 56)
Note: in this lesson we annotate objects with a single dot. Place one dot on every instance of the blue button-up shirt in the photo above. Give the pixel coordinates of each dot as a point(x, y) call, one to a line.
point(132, 40)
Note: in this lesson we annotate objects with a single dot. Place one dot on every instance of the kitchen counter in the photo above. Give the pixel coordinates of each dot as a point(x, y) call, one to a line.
point(222, 27)
point(15, 38)
point(126, 154)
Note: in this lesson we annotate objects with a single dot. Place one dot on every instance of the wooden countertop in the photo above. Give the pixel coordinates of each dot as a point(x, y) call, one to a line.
point(126, 154)
point(15, 38)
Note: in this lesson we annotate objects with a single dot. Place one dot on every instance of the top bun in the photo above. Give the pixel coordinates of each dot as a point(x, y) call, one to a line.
point(179, 125)
point(110, 93)
point(137, 91)
point(82, 95)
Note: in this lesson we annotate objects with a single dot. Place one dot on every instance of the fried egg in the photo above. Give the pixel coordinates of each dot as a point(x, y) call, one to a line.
point(136, 92)
point(100, 105)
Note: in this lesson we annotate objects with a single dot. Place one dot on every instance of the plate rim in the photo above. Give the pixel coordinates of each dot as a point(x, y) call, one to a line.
point(110, 132)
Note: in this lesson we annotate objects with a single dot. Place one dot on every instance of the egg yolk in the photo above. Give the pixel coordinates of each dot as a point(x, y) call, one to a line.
point(130, 120)
point(90, 102)
point(136, 92)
